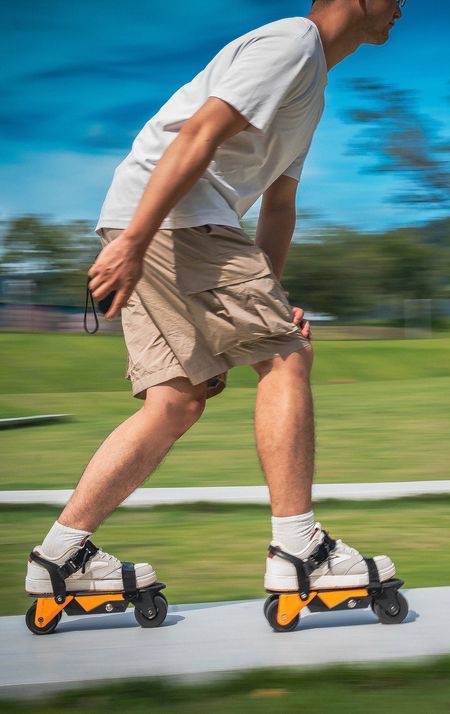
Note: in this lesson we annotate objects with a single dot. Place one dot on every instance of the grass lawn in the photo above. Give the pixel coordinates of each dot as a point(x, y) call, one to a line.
point(209, 552)
point(367, 431)
point(381, 412)
point(406, 688)
point(49, 362)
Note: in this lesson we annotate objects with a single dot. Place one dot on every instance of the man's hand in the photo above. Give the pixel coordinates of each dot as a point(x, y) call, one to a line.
point(303, 325)
point(118, 267)
point(297, 319)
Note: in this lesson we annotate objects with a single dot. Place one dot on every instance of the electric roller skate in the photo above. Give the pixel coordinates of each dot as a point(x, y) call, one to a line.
point(87, 582)
point(329, 575)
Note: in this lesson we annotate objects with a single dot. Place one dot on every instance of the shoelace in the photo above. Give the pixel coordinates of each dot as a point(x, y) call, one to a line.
point(345, 548)
point(324, 534)
point(100, 555)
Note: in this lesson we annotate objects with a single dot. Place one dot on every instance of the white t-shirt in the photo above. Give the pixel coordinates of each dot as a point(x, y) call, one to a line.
point(275, 77)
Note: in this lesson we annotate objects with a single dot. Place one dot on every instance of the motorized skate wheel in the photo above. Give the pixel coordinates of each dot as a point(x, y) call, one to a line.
point(270, 599)
point(31, 624)
point(270, 611)
point(161, 606)
point(394, 613)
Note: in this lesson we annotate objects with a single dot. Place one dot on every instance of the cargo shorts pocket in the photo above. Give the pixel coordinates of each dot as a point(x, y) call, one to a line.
point(230, 315)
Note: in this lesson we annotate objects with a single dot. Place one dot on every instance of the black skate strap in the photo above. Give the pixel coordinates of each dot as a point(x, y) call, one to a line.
point(374, 578)
point(304, 568)
point(59, 573)
point(129, 579)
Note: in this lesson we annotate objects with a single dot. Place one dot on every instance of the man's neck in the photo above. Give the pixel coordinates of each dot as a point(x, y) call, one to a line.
point(340, 34)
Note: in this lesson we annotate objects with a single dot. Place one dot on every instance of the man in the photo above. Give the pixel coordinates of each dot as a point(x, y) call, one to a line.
point(197, 296)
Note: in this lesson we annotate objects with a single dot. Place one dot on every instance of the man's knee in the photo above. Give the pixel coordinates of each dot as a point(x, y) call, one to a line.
point(193, 407)
point(182, 403)
point(299, 362)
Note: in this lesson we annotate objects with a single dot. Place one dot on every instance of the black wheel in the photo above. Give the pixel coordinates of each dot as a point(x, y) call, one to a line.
point(161, 606)
point(270, 599)
point(47, 629)
point(394, 613)
point(270, 611)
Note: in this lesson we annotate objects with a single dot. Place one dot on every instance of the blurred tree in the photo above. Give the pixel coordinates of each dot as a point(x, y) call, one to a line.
point(437, 235)
point(356, 276)
point(403, 141)
point(335, 275)
point(56, 257)
point(346, 274)
point(408, 269)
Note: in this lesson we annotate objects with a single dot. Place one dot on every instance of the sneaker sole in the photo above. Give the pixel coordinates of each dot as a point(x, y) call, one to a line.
point(325, 582)
point(42, 587)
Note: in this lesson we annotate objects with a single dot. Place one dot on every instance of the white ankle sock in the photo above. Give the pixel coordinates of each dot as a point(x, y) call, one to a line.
point(293, 533)
point(60, 538)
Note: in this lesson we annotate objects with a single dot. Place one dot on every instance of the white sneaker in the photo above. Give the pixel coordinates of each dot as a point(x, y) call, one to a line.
point(100, 573)
point(343, 568)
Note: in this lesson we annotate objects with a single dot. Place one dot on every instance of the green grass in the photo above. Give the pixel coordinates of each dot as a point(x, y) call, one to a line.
point(367, 431)
point(381, 411)
point(382, 414)
point(212, 552)
point(41, 362)
point(406, 688)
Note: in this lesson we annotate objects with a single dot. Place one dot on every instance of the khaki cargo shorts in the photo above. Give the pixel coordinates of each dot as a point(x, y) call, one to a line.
point(207, 301)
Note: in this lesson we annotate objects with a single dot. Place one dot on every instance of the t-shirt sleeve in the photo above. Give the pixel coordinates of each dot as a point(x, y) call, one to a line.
point(295, 169)
point(267, 72)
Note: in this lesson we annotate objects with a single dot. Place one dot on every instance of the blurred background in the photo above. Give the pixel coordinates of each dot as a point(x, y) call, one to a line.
point(79, 82)
point(370, 263)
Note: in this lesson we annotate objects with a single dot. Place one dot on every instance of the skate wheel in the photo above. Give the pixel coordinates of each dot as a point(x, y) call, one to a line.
point(270, 599)
point(47, 629)
point(160, 615)
point(394, 613)
point(270, 611)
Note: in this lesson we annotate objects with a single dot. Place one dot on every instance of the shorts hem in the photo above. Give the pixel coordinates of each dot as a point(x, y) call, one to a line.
point(226, 362)
point(267, 352)
point(139, 386)
point(164, 375)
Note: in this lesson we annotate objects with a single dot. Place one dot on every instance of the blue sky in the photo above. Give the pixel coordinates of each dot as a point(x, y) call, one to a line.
point(80, 79)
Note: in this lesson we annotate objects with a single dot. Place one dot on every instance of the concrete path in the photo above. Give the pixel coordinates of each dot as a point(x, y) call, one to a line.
point(211, 638)
point(242, 494)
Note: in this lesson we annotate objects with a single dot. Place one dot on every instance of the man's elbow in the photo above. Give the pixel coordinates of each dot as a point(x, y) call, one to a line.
point(281, 210)
point(281, 196)
point(215, 122)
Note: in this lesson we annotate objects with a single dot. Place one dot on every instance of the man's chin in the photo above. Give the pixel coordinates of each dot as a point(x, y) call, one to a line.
point(379, 39)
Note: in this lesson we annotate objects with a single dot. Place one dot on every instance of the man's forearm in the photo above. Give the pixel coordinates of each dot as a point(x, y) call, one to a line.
point(180, 167)
point(274, 233)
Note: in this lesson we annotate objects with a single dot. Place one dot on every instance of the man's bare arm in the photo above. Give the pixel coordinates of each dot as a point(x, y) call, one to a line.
point(119, 265)
point(181, 166)
point(275, 229)
point(277, 221)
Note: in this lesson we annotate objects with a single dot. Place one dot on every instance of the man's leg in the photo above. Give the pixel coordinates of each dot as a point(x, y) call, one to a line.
point(284, 427)
point(133, 451)
point(128, 455)
point(285, 441)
